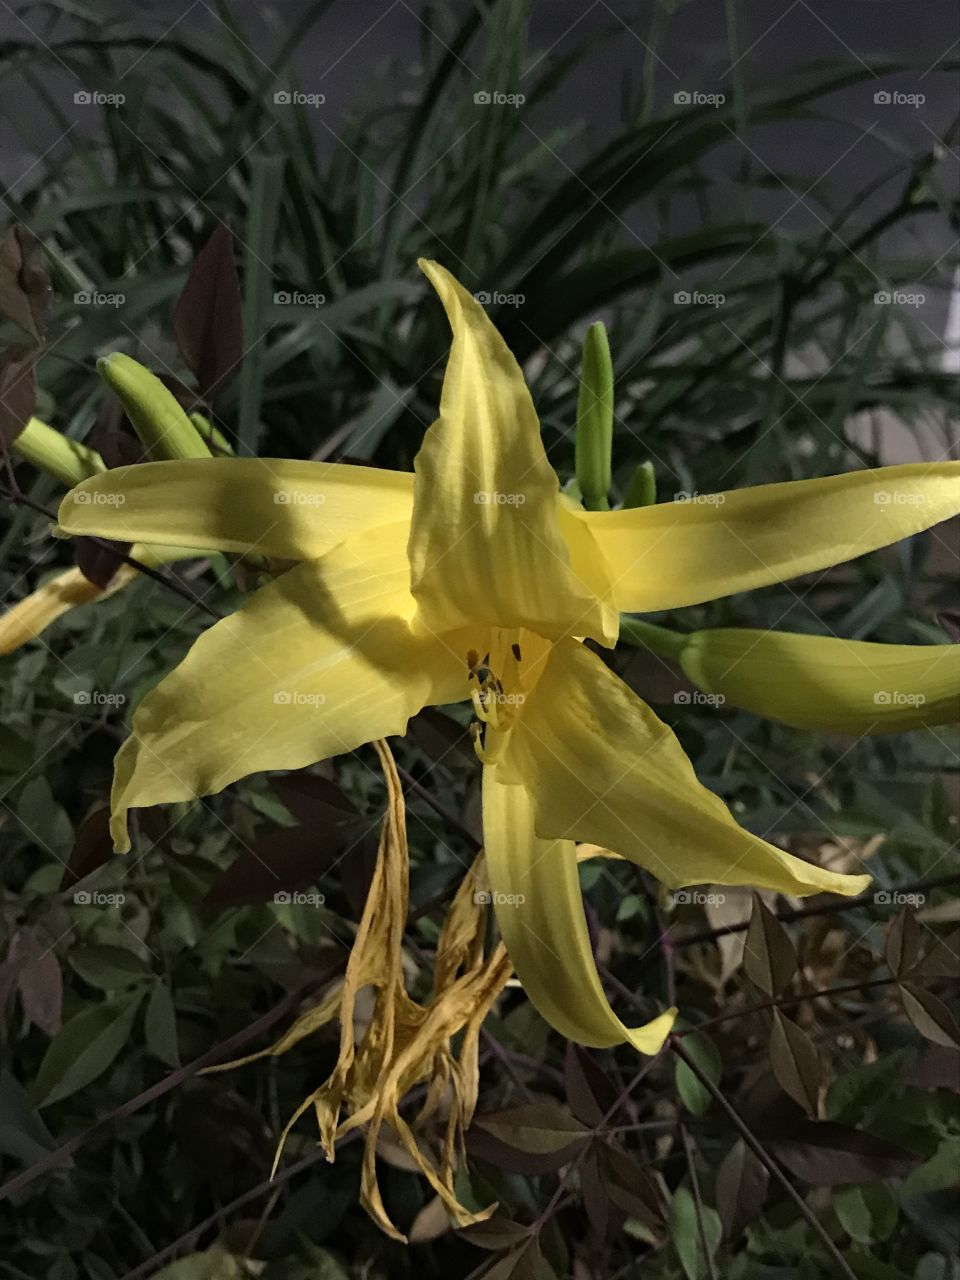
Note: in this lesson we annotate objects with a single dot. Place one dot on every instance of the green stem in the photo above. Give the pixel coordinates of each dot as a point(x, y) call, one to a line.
point(666, 643)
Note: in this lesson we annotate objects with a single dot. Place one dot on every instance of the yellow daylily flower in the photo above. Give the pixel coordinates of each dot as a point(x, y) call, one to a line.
point(477, 579)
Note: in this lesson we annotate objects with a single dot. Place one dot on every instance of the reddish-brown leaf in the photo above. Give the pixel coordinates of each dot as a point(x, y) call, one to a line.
point(942, 960)
point(938, 1068)
point(18, 395)
point(590, 1092)
point(496, 1233)
point(903, 942)
point(208, 316)
point(639, 1192)
point(741, 1190)
point(99, 560)
point(769, 957)
point(39, 980)
point(25, 291)
point(930, 1015)
point(92, 846)
point(536, 1127)
point(824, 1154)
point(795, 1063)
point(285, 859)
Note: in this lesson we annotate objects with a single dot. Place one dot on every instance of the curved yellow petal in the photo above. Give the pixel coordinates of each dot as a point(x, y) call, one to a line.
point(604, 769)
point(536, 893)
point(485, 543)
point(58, 595)
point(314, 664)
point(684, 552)
point(275, 506)
point(820, 682)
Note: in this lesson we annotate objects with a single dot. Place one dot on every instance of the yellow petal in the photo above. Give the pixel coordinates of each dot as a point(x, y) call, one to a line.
point(604, 769)
point(485, 543)
point(820, 682)
point(536, 893)
point(58, 595)
point(279, 507)
point(681, 553)
point(316, 663)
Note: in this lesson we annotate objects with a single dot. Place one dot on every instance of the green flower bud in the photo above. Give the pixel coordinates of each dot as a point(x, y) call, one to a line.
point(595, 420)
point(58, 455)
point(643, 487)
point(159, 421)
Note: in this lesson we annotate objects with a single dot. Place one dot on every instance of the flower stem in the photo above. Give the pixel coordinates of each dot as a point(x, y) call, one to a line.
point(662, 641)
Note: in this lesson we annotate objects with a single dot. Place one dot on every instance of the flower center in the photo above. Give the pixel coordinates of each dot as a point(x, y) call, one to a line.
point(500, 682)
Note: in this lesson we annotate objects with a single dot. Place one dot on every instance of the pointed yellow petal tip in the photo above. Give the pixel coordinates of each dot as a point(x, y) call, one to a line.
point(650, 1038)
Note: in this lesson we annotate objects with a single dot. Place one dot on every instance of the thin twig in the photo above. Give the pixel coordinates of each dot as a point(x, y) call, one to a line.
point(19, 498)
point(765, 1158)
point(697, 1200)
point(824, 909)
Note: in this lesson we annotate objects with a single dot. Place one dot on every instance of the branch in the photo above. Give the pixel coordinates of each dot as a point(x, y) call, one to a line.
point(765, 1158)
point(824, 909)
point(18, 497)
